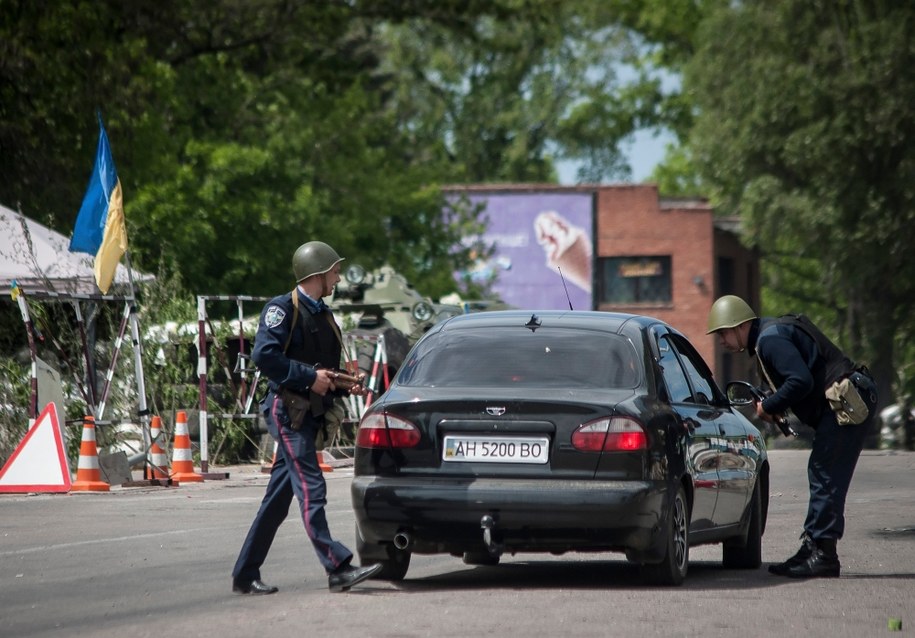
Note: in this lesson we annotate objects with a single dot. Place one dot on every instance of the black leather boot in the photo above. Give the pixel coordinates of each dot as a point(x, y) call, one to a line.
point(823, 563)
point(806, 550)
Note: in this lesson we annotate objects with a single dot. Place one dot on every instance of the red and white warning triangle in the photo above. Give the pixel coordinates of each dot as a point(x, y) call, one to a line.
point(39, 464)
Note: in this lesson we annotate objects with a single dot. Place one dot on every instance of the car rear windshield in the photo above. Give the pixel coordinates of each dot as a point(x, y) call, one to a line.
point(517, 357)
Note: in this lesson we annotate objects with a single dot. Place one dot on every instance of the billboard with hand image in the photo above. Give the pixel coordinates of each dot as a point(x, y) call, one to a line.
point(533, 237)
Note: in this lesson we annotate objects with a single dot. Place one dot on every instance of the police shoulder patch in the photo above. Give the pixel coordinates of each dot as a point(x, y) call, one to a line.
point(274, 316)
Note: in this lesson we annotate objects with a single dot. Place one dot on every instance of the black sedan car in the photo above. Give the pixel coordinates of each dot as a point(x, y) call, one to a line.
point(555, 432)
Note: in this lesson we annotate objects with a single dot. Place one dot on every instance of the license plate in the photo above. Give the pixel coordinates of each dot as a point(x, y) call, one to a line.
point(489, 449)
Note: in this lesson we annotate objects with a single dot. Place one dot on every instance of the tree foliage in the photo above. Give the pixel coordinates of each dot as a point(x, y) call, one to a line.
point(503, 101)
point(804, 128)
point(241, 129)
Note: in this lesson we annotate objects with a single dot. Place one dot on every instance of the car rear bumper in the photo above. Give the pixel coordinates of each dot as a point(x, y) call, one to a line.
point(444, 515)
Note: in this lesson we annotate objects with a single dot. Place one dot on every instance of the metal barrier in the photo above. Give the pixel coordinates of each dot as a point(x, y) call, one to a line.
point(95, 404)
point(377, 380)
point(245, 395)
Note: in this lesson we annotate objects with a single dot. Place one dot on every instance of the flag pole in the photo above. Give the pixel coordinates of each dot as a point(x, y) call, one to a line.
point(101, 230)
point(143, 410)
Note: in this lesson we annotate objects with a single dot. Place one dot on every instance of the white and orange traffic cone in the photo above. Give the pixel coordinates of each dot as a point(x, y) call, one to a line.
point(182, 461)
point(323, 461)
point(88, 473)
point(322, 456)
point(158, 459)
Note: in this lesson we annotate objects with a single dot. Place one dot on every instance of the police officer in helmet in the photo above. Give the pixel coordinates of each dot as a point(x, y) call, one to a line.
point(297, 348)
point(800, 364)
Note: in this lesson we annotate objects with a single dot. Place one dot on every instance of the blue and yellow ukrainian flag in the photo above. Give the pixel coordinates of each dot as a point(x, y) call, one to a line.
point(100, 226)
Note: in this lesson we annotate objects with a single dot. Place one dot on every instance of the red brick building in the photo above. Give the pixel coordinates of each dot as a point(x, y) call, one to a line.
point(668, 258)
point(681, 243)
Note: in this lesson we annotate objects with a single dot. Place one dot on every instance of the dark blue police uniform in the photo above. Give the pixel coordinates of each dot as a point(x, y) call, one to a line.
point(287, 355)
point(790, 356)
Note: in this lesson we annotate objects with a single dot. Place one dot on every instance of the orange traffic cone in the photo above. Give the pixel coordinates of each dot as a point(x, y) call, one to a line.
point(159, 460)
point(88, 474)
point(322, 461)
point(320, 454)
point(182, 461)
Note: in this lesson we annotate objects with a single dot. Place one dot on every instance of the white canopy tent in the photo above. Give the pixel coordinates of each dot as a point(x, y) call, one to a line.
point(38, 258)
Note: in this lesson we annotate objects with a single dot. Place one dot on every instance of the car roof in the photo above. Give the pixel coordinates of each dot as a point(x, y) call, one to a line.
point(588, 319)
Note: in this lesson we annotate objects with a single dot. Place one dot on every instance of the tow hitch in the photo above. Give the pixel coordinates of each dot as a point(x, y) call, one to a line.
point(488, 525)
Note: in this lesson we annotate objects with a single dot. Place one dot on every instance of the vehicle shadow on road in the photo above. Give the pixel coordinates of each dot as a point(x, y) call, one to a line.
point(600, 574)
point(847, 576)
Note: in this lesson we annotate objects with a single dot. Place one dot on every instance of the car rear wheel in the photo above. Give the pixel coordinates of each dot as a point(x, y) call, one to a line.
point(673, 567)
point(747, 555)
point(394, 564)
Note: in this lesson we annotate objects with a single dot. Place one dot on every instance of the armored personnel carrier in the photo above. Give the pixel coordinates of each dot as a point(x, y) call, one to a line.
point(383, 303)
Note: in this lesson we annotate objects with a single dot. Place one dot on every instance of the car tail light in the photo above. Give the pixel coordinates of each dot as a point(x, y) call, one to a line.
point(386, 431)
point(616, 434)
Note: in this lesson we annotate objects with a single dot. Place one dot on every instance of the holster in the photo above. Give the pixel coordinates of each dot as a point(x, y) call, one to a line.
point(297, 406)
point(846, 402)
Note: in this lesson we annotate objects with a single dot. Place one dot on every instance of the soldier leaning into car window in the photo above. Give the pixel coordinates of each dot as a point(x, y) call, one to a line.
point(800, 363)
point(297, 348)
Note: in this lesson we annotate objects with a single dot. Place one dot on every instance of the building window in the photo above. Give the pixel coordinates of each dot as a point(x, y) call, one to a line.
point(635, 280)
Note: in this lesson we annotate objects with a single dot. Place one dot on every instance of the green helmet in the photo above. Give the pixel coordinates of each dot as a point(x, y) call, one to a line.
point(313, 258)
point(728, 312)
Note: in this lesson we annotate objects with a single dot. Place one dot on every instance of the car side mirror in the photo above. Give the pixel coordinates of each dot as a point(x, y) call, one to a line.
point(741, 393)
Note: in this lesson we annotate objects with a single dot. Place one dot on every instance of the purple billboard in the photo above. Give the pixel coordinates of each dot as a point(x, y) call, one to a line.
point(535, 236)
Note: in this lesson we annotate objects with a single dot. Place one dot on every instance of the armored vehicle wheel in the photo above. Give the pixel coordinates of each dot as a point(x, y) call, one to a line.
point(396, 346)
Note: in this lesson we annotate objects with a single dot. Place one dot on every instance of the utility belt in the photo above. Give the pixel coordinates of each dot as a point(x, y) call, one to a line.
point(853, 397)
point(298, 406)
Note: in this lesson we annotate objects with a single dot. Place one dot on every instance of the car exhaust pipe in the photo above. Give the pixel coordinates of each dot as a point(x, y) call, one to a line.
point(488, 525)
point(402, 540)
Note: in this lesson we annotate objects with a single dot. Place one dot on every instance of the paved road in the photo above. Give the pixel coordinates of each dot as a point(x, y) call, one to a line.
point(155, 562)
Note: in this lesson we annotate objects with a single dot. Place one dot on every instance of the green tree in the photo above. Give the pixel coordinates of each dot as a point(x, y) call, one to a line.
point(506, 101)
point(229, 121)
point(58, 64)
point(241, 129)
point(804, 128)
point(665, 41)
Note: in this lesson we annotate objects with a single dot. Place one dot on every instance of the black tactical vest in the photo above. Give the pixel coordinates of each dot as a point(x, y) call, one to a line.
point(836, 365)
point(319, 346)
point(830, 365)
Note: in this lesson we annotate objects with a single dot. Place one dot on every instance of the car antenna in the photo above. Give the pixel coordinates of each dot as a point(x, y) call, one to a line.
point(565, 288)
